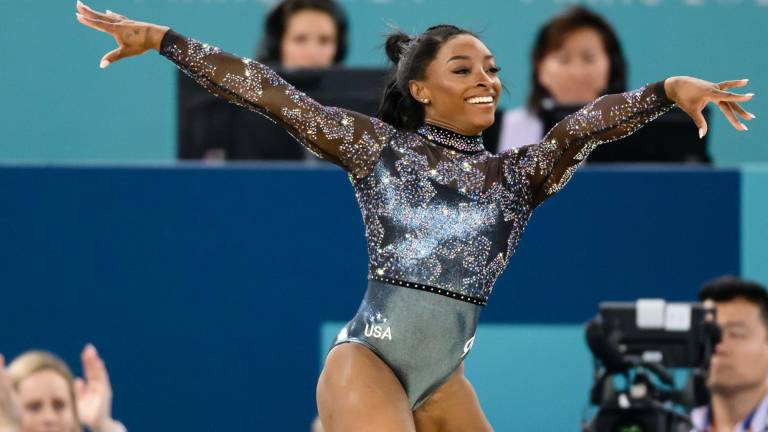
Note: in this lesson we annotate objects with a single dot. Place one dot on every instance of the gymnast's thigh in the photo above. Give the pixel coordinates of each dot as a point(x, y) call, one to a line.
point(358, 392)
point(453, 407)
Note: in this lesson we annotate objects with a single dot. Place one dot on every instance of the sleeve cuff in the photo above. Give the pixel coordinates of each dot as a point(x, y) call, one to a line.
point(658, 90)
point(169, 38)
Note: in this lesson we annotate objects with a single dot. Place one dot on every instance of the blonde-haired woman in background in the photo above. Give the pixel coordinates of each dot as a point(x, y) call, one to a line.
point(39, 393)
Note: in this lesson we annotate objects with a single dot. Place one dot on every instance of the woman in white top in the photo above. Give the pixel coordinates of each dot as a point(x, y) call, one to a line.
point(576, 58)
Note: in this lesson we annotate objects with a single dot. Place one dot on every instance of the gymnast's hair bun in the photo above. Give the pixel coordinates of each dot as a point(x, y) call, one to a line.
point(395, 44)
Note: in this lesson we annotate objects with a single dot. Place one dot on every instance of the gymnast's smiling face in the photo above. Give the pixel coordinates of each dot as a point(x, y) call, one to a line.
point(461, 87)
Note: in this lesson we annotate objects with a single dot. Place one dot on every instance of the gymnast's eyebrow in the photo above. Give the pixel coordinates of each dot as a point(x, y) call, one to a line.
point(465, 57)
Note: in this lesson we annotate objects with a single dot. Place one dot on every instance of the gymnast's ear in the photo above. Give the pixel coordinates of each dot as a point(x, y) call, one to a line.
point(419, 91)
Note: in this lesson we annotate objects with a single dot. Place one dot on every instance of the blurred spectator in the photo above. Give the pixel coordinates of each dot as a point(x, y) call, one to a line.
point(304, 34)
point(38, 393)
point(739, 367)
point(10, 412)
point(299, 35)
point(576, 58)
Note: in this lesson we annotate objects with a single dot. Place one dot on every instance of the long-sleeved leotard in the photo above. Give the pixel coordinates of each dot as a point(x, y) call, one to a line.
point(435, 215)
point(441, 214)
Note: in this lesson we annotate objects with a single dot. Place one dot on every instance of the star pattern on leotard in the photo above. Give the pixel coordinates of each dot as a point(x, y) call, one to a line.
point(438, 209)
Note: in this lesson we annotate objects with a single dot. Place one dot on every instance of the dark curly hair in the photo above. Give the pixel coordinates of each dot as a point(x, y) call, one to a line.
point(727, 288)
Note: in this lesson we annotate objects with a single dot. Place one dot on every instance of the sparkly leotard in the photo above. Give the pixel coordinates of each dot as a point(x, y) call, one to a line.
point(442, 215)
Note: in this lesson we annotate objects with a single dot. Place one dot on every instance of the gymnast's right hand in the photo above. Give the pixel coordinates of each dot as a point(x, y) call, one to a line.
point(133, 37)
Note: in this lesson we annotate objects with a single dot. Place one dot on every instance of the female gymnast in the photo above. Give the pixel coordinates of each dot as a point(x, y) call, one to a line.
point(442, 215)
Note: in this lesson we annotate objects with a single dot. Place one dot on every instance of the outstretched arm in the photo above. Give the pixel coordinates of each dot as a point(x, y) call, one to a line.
point(347, 138)
point(548, 165)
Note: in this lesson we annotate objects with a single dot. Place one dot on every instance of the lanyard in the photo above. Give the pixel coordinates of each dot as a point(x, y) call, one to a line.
point(746, 425)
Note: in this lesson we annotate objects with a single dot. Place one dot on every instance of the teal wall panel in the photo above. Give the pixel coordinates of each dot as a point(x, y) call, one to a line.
point(59, 106)
point(754, 223)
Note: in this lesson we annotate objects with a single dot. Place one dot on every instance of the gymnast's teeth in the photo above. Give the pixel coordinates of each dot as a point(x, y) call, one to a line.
point(480, 99)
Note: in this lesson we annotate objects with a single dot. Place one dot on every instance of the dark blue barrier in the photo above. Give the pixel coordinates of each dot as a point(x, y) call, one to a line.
point(204, 288)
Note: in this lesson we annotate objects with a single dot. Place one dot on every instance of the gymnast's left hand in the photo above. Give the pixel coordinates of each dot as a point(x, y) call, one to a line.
point(693, 94)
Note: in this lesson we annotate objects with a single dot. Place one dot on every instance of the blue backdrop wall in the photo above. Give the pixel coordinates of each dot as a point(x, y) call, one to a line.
point(212, 291)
